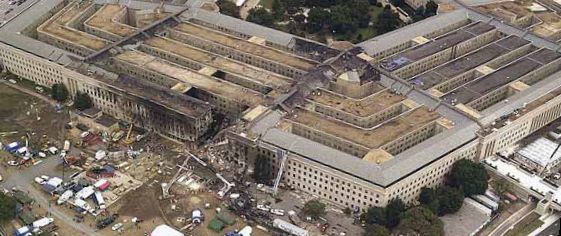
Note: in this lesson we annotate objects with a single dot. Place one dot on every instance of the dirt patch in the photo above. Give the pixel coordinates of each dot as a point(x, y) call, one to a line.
point(141, 203)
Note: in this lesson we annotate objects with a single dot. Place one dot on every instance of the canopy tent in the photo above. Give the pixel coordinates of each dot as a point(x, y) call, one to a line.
point(164, 230)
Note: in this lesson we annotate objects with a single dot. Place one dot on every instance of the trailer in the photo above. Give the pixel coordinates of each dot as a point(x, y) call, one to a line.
point(289, 228)
point(66, 146)
point(98, 199)
point(40, 223)
point(85, 192)
point(484, 200)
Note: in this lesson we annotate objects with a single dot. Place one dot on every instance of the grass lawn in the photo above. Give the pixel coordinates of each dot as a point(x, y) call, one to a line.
point(526, 226)
point(266, 3)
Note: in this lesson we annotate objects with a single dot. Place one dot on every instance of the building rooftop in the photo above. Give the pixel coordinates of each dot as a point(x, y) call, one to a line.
point(511, 72)
point(391, 39)
point(512, 42)
point(59, 26)
point(505, 10)
point(246, 46)
point(488, 83)
point(359, 107)
point(371, 138)
point(439, 44)
point(458, 66)
point(107, 19)
point(181, 74)
point(219, 62)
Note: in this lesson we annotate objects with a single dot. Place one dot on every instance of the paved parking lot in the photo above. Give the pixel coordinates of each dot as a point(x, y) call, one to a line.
point(7, 10)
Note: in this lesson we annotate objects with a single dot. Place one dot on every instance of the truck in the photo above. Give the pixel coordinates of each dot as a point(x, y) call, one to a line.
point(83, 205)
point(64, 197)
point(12, 147)
point(53, 150)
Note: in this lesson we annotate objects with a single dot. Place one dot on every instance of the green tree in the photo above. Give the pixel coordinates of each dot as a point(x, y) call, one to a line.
point(393, 210)
point(347, 211)
point(388, 20)
point(59, 92)
point(82, 101)
point(7, 208)
point(320, 3)
point(420, 221)
point(360, 12)
point(431, 8)
point(501, 186)
point(450, 200)
point(292, 6)
point(469, 176)
point(375, 215)
point(419, 14)
point(397, 3)
point(228, 7)
point(376, 230)
point(341, 19)
point(260, 16)
point(433, 206)
point(314, 209)
point(277, 9)
point(427, 195)
point(318, 18)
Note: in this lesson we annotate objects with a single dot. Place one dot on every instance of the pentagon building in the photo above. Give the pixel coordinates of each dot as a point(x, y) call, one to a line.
point(355, 127)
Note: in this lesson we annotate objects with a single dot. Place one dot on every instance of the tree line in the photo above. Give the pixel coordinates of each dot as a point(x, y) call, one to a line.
point(82, 101)
point(465, 179)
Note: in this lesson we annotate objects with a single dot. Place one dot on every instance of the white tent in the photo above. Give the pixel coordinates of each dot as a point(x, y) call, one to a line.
point(164, 230)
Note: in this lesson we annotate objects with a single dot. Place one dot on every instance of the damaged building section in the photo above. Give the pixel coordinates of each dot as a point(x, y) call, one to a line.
point(149, 64)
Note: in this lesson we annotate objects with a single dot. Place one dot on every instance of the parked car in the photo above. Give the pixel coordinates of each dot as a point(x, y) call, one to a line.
point(13, 163)
point(1, 179)
point(117, 226)
point(39, 180)
point(278, 212)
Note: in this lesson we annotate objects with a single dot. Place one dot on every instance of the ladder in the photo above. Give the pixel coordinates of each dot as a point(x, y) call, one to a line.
point(282, 155)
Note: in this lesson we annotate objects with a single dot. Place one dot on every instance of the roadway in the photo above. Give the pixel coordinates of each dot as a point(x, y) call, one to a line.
point(23, 179)
point(512, 220)
point(8, 11)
